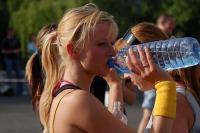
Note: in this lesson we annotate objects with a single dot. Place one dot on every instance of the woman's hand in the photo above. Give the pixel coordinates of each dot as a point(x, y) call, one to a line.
point(145, 66)
point(113, 77)
point(115, 89)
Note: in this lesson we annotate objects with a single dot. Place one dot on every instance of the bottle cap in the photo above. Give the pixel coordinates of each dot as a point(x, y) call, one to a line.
point(110, 63)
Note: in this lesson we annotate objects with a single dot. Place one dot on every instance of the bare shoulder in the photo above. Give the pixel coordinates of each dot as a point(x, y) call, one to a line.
point(184, 115)
point(79, 101)
point(183, 106)
point(79, 97)
point(84, 111)
point(76, 99)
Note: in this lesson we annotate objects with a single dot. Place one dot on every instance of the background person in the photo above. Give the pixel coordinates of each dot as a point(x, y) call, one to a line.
point(188, 110)
point(188, 99)
point(12, 58)
point(32, 45)
point(166, 23)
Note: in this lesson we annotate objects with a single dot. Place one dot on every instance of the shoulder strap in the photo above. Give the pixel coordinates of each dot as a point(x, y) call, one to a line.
point(64, 87)
point(57, 108)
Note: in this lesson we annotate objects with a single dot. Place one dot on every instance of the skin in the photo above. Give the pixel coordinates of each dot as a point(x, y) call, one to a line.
point(143, 85)
point(129, 93)
point(167, 26)
point(144, 121)
point(115, 92)
point(184, 119)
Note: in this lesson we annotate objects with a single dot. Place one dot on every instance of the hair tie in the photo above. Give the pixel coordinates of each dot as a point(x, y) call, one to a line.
point(56, 33)
point(36, 52)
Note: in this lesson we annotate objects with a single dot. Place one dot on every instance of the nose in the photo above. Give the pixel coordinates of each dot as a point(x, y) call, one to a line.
point(111, 51)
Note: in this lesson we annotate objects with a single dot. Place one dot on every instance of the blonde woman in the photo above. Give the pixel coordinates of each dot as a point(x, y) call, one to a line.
point(71, 57)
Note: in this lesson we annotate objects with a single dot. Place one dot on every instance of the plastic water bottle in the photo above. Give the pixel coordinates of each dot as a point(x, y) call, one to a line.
point(106, 97)
point(168, 54)
point(117, 112)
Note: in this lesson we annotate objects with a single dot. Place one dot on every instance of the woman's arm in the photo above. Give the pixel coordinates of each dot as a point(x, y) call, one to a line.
point(165, 105)
point(129, 93)
point(115, 92)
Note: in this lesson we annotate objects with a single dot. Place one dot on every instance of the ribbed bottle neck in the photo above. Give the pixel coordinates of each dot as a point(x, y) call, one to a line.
point(116, 105)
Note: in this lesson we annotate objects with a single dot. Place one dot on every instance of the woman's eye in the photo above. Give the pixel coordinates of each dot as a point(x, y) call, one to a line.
point(112, 43)
point(101, 44)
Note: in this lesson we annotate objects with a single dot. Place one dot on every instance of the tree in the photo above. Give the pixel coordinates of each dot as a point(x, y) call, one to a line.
point(186, 15)
point(29, 16)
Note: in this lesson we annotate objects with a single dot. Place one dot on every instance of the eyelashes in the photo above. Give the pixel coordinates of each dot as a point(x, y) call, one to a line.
point(105, 43)
point(101, 44)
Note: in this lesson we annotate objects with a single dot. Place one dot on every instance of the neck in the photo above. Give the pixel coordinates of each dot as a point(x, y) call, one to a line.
point(78, 76)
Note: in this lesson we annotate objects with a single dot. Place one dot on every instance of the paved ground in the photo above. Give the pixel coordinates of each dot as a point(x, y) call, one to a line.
point(16, 115)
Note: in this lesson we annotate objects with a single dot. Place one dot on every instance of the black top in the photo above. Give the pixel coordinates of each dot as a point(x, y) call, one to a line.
point(98, 88)
point(64, 87)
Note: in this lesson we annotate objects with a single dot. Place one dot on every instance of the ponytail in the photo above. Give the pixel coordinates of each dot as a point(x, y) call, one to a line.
point(34, 76)
point(54, 71)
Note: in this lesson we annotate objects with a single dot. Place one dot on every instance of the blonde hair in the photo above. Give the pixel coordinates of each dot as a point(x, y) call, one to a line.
point(144, 32)
point(74, 29)
point(34, 70)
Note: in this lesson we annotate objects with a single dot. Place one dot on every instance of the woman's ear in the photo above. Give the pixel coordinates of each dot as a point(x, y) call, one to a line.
point(71, 50)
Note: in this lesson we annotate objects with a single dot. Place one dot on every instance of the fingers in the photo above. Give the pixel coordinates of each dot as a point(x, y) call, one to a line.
point(126, 75)
point(142, 63)
point(149, 57)
point(133, 62)
point(143, 58)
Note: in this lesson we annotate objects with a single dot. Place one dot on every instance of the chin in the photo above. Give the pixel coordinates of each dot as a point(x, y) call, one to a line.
point(104, 73)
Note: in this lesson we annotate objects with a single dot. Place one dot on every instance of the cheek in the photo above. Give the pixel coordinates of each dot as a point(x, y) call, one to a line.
point(95, 63)
point(90, 61)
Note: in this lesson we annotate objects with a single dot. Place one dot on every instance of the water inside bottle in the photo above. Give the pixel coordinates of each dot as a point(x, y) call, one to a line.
point(168, 54)
point(121, 62)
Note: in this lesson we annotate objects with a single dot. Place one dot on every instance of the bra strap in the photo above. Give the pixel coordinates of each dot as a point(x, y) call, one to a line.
point(59, 83)
point(64, 87)
point(54, 115)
